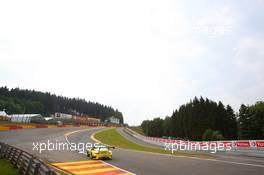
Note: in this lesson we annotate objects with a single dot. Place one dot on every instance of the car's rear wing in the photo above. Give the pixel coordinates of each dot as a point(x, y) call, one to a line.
point(99, 147)
point(111, 147)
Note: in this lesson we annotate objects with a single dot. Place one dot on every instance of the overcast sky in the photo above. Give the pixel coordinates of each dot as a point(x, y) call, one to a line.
point(143, 57)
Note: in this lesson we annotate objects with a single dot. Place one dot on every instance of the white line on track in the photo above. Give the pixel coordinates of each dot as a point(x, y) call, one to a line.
point(239, 163)
point(72, 132)
point(69, 133)
point(223, 161)
point(241, 158)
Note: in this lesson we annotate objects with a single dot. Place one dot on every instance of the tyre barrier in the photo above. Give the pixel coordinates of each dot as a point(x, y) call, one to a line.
point(29, 126)
point(15, 127)
point(26, 163)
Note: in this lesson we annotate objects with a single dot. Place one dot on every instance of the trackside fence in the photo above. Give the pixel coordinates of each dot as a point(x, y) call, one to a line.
point(243, 147)
point(26, 163)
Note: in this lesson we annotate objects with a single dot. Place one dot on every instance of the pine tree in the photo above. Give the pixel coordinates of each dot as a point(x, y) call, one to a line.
point(244, 122)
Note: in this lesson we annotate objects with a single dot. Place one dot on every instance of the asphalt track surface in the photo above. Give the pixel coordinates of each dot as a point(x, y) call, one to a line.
point(133, 161)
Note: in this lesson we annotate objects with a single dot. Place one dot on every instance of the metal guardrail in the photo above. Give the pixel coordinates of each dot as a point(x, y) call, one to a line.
point(257, 151)
point(26, 163)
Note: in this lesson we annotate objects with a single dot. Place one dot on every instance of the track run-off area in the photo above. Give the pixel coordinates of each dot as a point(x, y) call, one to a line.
point(124, 161)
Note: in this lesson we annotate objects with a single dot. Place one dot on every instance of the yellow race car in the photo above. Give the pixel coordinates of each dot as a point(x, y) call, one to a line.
point(100, 152)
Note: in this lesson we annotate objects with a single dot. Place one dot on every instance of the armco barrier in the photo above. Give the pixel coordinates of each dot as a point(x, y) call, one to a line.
point(25, 162)
point(245, 147)
point(237, 144)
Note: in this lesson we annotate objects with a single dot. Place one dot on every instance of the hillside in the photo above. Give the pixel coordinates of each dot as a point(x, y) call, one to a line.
point(29, 101)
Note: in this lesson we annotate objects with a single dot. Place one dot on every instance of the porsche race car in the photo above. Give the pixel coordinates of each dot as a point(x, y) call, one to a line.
point(100, 152)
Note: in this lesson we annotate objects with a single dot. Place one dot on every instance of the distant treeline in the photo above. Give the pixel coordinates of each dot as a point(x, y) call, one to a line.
point(18, 101)
point(204, 119)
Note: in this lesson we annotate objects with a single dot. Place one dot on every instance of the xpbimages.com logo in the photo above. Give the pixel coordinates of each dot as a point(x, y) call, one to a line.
point(190, 146)
point(62, 146)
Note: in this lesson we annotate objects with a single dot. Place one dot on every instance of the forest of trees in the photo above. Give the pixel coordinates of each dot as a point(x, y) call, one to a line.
point(251, 121)
point(204, 119)
point(19, 101)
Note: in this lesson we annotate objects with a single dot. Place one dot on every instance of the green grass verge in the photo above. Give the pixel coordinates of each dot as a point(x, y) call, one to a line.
point(6, 168)
point(114, 138)
point(137, 129)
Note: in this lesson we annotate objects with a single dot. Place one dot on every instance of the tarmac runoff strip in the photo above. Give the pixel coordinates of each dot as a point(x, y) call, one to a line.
point(90, 167)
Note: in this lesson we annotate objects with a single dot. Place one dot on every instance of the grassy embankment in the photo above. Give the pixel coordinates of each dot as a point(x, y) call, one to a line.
point(137, 129)
point(112, 137)
point(6, 168)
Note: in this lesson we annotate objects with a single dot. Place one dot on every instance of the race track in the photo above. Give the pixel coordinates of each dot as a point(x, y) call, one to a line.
point(133, 161)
